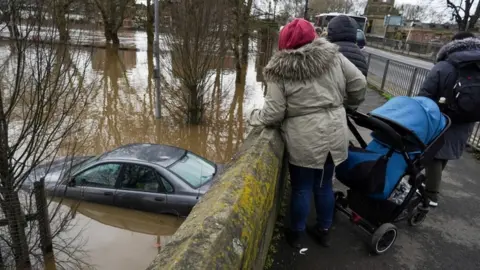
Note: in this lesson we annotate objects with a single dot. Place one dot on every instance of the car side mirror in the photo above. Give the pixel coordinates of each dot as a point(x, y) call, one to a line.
point(71, 182)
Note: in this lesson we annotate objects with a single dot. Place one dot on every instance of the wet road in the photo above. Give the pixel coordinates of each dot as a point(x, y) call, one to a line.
point(400, 58)
point(448, 239)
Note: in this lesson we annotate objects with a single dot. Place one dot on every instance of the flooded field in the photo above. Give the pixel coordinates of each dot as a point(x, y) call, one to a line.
point(120, 111)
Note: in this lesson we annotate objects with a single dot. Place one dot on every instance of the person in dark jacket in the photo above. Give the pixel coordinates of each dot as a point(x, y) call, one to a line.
point(464, 48)
point(342, 30)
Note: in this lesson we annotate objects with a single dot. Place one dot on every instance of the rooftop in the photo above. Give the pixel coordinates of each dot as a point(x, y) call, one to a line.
point(162, 155)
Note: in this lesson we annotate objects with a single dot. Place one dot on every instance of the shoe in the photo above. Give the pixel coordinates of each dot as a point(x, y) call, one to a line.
point(321, 235)
point(432, 203)
point(293, 238)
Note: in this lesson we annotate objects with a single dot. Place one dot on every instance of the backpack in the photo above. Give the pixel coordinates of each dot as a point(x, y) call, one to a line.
point(463, 102)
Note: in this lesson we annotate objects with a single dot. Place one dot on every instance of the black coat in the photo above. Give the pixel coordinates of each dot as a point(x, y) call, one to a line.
point(342, 31)
point(443, 77)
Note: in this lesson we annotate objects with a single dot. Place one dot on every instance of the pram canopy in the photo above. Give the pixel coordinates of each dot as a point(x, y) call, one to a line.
point(419, 115)
point(377, 169)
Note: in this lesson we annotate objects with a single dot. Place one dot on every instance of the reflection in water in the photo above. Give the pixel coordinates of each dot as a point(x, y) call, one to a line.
point(122, 110)
point(116, 238)
point(101, 58)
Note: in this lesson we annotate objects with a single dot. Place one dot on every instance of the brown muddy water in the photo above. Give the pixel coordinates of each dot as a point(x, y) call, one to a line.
point(121, 111)
point(107, 237)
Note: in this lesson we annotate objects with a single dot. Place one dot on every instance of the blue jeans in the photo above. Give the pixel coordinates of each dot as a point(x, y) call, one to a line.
point(304, 182)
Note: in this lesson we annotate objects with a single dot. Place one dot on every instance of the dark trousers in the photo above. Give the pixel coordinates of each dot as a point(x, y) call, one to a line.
point(304, 183)
point(433, 172)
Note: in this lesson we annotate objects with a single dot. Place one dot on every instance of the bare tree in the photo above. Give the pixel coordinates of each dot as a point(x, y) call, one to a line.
point(462, 13)
point(150, 22)
point(325, 6)
point(113, 13)
point(240, 33)
point(43, 92)
point(196, 44)
point(290, 8)
point(6, 17)
point(359, 6)
point(60, 10)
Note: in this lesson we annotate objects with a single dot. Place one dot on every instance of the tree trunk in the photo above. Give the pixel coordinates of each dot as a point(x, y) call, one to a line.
point(150, 22)
point(111, 35)
point(115, 39)
point(11, 203)
point(61, 22)
point(243, 40)
point(194, 108)
point(16, 228)
point(13, 30)
point(108, 35)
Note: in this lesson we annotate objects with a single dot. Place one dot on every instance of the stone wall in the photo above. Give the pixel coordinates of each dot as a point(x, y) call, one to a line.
point(232, 225)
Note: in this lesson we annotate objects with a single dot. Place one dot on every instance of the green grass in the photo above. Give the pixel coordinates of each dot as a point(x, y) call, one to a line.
point(384, 94)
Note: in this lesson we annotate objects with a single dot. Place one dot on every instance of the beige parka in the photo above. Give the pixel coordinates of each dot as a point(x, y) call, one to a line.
point(306, 90)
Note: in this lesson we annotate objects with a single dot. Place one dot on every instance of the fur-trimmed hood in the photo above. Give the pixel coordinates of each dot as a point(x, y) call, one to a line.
point(456, 46)
point(305, 63)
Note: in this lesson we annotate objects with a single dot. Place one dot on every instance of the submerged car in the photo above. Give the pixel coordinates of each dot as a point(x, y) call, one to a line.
point(147, 177)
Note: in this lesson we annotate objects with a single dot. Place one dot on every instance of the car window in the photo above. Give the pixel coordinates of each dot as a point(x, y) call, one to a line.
point(360, 35)
point(141, 178)
point(104, 175)
point(167, 185)
point(194, 170)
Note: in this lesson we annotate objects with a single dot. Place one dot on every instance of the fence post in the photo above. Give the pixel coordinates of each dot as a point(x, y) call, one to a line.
point(2, 265)
point(412, 82)
point(387, 64)
point(44, 224)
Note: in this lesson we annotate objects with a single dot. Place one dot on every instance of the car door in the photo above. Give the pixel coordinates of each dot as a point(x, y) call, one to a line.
point(179, 202)
point(95, 184)
point(140, 188)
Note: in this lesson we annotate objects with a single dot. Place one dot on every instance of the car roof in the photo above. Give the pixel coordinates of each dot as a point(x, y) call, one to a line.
point(163, 155)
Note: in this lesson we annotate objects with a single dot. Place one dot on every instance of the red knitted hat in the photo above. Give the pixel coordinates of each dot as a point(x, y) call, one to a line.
point(296, 34)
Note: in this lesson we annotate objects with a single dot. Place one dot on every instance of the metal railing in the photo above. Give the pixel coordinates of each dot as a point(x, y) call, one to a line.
point(400, 79)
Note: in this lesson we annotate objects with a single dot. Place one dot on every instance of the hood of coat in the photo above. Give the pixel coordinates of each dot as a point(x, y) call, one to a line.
point(342, 28)
point(303, 64)
point(460, 51)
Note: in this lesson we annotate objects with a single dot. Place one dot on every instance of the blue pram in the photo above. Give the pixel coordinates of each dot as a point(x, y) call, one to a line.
point(406, 134)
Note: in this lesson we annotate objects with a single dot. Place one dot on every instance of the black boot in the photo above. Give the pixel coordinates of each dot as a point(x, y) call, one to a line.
point(293, 238)
point(321, 235)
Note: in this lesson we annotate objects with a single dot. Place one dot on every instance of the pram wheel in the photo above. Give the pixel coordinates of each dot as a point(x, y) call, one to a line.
point(416, 218)
point(383, 238)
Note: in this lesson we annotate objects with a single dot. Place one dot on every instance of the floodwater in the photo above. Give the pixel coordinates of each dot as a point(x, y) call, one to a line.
point(121, 110)
point(107, 237)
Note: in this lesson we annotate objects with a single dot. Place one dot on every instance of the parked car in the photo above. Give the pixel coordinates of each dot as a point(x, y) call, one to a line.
point(361, 39)
point(147, 177)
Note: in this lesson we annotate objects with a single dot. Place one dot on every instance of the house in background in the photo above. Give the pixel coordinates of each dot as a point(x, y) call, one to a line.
point(375, 11)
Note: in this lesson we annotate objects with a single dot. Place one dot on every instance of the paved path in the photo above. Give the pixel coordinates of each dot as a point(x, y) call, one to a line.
point(448, 239)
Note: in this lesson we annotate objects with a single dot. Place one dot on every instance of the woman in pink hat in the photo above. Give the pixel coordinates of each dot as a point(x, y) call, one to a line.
point(308, 83)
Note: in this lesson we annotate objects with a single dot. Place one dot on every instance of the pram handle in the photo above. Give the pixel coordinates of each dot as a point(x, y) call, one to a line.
point(374, 124)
